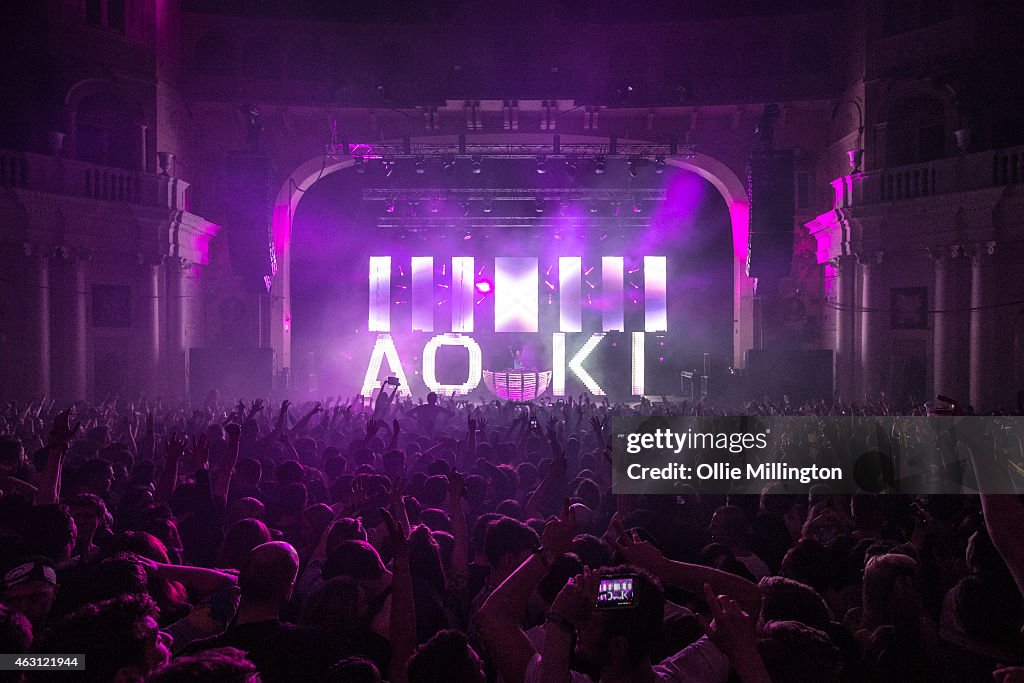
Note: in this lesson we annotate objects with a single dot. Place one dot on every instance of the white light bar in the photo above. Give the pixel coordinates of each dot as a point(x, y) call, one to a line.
point(515, 294)
point(570, 318)
point(380, 294)
point(612, 319)
point(576, 365)
point(655, 294)
point(422, 293)
point(463, 281)
point(558, 364)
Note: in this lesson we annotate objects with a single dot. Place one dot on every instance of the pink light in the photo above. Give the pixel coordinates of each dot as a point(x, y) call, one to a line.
point(481, 271)
point(589, 301)
point(480, 300)
point(548, 271)
point(589, 270)
point(484, 287)
point(468, 237)
point(400, 270)
point(550, 286)
point(634, 285)
point(590, 284)
point(442, 302)
point(401, 287)
point(549, 300)
point(661, 359)
point(635, 270)
point(441, 284)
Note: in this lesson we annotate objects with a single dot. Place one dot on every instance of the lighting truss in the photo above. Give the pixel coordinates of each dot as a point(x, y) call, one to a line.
point(590, 222)
point(553, 150)
point(413, 194)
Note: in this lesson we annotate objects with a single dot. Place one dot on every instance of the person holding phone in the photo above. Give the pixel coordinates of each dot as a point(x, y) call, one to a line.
point(615, 635)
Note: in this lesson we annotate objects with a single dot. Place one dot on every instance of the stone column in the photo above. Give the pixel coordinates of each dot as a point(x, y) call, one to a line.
point(944, 375)
point(77, 380)
point(39, 284)
point(174, 307)
point(982, 379)
point(149, 342)
point(845, 267)
point(872, 318)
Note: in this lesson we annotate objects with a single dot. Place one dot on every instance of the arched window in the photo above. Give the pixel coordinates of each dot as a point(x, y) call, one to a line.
point(215, 53)
point(107, 131)
point(916, 131)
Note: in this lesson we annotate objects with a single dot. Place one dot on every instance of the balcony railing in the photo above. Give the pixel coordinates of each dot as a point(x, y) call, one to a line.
point(68, 177)
point(963, 173)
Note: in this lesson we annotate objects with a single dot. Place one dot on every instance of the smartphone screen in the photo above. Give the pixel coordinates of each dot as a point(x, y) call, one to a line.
point(615, 592)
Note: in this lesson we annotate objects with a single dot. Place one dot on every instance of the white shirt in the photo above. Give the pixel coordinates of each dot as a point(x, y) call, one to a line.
point(700, 661)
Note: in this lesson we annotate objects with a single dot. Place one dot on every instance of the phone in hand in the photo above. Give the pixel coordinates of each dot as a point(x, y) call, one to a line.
point(616, 592)
point(393, 381)
point(533, 423)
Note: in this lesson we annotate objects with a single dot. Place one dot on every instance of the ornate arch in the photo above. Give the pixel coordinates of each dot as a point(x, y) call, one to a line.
point(716, 172)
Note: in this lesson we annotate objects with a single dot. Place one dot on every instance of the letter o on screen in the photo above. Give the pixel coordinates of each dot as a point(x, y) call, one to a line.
point(430, 367)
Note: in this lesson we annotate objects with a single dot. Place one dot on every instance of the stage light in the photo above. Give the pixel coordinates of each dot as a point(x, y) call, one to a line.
point(576, 365)
point(476, 165)
point(448, 166)
point(419, 162)
point(468, 236)
point(464, 205)
point(391, 206)
point(360, 165)
point(484, 287)
point(612, 318)
point(538, 206)
point(389, 167)
point(463, 286)
point(570, 317)
point(571, 168)
point(595, 207)
point(488, 206)
point(659, 163)
point(633, 169)
point(599, 165)
point(542, 165)
point(637, 208)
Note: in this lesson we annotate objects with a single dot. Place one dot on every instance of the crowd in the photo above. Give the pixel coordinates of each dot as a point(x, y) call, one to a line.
point(455, 541)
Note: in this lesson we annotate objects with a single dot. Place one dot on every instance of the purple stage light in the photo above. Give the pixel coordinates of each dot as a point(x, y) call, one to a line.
point(550, 285)
point(484, 286)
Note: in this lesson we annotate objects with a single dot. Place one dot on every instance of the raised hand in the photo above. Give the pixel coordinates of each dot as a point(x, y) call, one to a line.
point(176, 446)
point(395, 429)
point(456, 486)
point(482, 425)
point(62, 432)
point(558, 532)
point(577, 597)
point(396, 496)
point(399, 539)
point(199, 453)
point(629, 545)
point(257, 406)
point(372, 427)
point(732, 630)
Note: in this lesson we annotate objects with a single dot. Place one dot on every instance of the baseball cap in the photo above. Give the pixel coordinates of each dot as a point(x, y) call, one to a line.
point(31, 570)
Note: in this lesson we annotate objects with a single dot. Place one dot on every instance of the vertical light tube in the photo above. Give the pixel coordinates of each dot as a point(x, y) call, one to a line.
point(655, 294)
point(463, 280)
point(515, 294)
point(380, 294)
point(558, 364)
point(422, 293)
point(611, 294)
point(570, 269)
point(638, 363)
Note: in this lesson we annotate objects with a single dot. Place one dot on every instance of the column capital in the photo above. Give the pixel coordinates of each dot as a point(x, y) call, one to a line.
point(149, 260)
point(978, 252)
point(867, 258)
point(72, 254)
point(177, 262)
point(943, 252)
point(36, 251)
